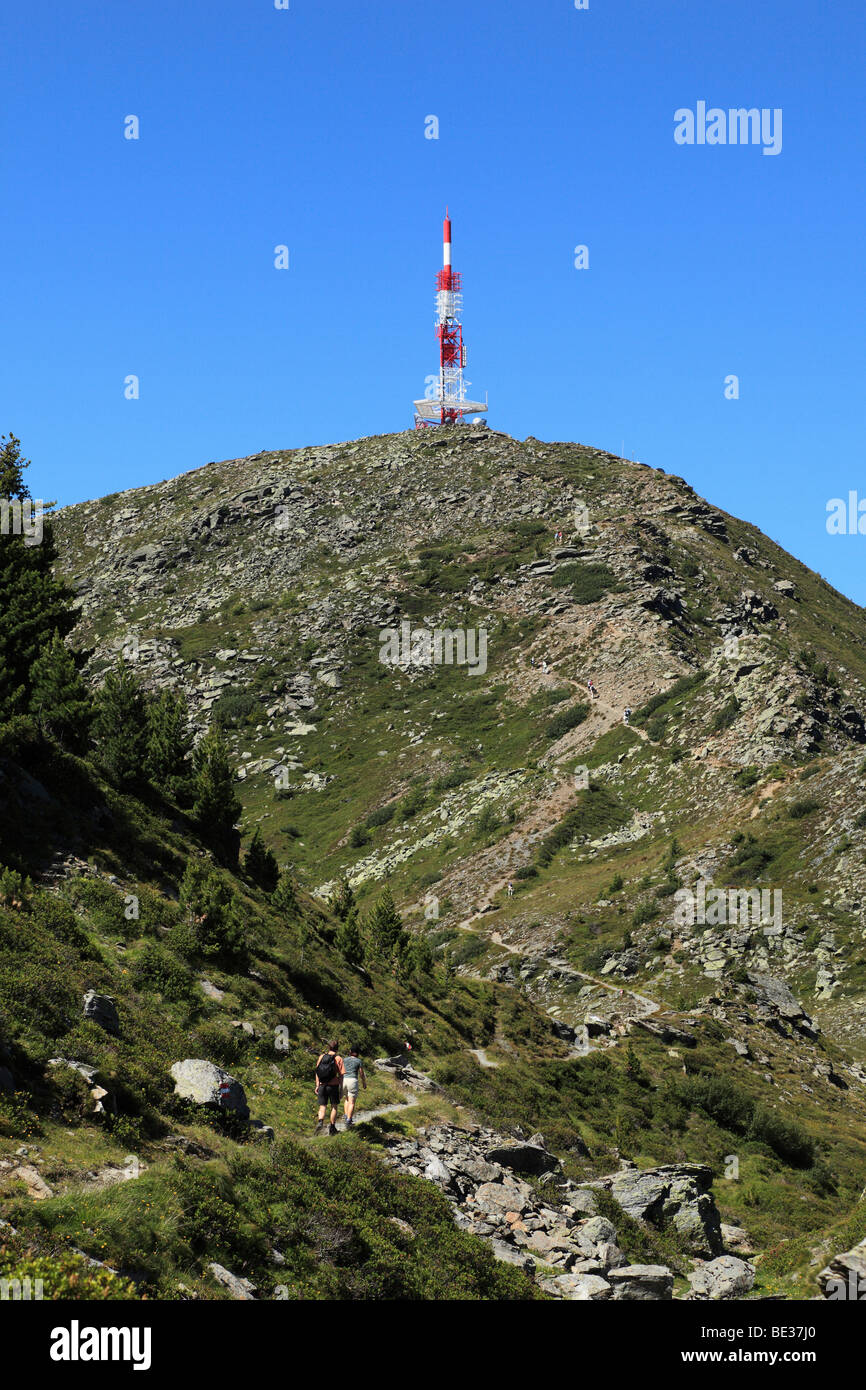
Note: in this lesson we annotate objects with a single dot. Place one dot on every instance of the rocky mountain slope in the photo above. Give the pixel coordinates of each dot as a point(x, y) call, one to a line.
point(561, 864)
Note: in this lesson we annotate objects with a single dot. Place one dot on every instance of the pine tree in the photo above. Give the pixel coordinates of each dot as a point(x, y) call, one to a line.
point(216, 807)
point(421, 955)
point(59, 700)
point(343, 900)
point(212, 925)
point(169, 746)
point(260, 864)
point(33, 603)
point(385, 928)
point(12, 467)
point(285, 895)
point(348, 939)
point(121, 727)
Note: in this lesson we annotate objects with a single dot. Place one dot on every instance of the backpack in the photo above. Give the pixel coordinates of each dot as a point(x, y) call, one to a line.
point(327, 1070)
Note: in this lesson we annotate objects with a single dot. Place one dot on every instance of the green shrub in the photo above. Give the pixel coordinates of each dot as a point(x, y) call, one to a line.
point(746, 778)
point(597, 810)
point(566, 720)
point(157, 969)
point(235, 708)
point(719, 1099)
point(412, 802)
point(381, 816)
point(488, 819)
point(682, 687)
point(587, 583)
point(749, 859)
point(787, 1140)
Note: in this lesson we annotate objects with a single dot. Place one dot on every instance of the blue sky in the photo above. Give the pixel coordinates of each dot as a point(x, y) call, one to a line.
point(305, 127)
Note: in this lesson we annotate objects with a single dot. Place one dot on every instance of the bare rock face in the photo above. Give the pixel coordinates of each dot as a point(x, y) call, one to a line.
point(206, 1084)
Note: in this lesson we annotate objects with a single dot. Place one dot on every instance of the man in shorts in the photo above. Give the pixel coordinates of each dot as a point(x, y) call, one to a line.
point(329, 1082)
point(353, 1072)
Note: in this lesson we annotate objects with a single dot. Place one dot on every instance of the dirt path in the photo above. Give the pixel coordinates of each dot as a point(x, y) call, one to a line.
point(481, 1057)
point(603, 706)
point(582, 1046)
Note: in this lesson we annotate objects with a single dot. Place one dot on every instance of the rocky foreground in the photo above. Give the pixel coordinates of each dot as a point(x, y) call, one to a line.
point(514, 1195)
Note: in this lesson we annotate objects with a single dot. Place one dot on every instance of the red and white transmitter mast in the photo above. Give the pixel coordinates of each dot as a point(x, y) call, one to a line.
point(445, 400)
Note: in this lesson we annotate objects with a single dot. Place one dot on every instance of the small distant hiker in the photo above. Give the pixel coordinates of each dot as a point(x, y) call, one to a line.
point(511, 890)
point(532, 661)
point(329, 1081)
point(353, 1072)
point(626, 715)
point(590, 685)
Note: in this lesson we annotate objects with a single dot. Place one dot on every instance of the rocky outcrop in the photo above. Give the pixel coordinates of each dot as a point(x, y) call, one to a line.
point(676, 1195)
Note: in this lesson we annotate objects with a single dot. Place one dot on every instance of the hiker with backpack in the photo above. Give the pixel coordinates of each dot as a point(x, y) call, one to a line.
point(330, 1070)
point(626, 715)
point(353, 1072)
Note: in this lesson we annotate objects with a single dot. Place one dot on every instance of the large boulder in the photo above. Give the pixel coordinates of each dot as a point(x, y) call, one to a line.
point(725, 1277)
point(677, 1195)
point(580, 1287)
point(641, 1283)
point(496, 1198)
point(205, 1084)
point(777, 1007)
point(523, 1158)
